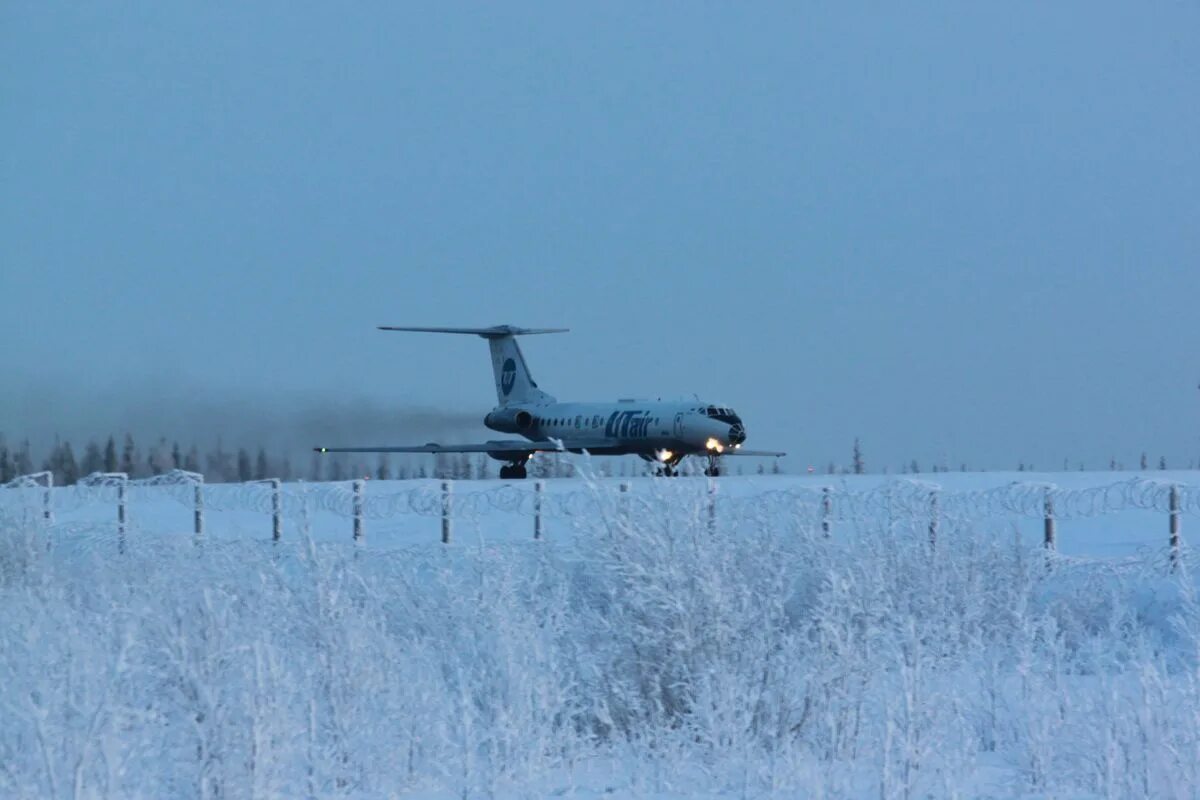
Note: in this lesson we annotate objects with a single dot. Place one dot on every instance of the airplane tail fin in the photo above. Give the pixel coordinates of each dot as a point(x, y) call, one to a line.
point(514, 384)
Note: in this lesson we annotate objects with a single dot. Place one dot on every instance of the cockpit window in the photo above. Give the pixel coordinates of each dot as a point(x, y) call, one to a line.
point(722, 413)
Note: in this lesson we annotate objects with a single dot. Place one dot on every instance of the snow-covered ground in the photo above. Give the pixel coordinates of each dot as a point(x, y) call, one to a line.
point(667, 641)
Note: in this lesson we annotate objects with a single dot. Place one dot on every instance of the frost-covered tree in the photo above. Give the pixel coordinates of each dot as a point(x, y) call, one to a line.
point(261, 467)
point(93, 459)
point(23, 459)
point(68, 465)
point(859, 466)
point(129, 457)
point(50, 464)
point(159, 459)
point(62, 464)
point(245, 472)
point(191, 462)
point(219, 465)
point(383, 471)
point(1144, 462)
point(6, 465)
point(110, 455)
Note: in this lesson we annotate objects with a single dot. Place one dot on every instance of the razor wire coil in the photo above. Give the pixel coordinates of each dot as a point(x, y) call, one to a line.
point(895, 499)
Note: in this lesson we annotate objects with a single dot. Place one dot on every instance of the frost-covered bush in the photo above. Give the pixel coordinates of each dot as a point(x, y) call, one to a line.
point(664, 653)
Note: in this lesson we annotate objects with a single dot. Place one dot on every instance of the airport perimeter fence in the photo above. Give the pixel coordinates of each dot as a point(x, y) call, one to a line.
point(34, 498)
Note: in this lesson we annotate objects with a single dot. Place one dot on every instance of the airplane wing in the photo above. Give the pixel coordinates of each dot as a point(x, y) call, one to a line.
point(743, 452)
point(506, 446)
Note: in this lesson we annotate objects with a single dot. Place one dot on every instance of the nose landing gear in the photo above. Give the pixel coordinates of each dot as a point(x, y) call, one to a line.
point(713, 470)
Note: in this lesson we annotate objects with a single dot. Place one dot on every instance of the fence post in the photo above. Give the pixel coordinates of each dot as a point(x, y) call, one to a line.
point(624, 502)
point(539, 487)
point(358, 511)
point(1175, 522)
point(122, 483)
point(198, 496)
point(1048, 507)
point(47, 507)
point(276, 510)
point(933, 519)
point(447, 491)
point(826, 511)
point(712, 505)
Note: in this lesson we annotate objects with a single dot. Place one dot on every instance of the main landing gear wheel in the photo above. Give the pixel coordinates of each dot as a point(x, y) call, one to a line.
point(713, 470)
point(668, 468)
point(515, 472)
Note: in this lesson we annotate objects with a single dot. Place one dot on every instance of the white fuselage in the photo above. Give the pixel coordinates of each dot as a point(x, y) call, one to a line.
point(649, 428)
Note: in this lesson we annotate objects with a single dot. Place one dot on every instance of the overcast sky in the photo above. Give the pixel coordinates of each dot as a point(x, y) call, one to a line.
point(961, 231)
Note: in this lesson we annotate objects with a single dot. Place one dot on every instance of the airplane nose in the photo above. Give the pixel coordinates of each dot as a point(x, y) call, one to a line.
point(737, 433)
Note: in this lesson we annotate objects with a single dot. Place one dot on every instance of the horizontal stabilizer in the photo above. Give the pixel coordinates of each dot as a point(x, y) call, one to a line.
point(494, 332)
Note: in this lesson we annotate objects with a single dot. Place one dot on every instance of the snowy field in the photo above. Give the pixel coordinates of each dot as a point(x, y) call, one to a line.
point(748, 637)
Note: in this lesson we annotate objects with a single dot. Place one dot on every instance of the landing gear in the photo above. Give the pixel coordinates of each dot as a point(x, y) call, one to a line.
point(713, 470)
point(513, 472)
point(665, 467)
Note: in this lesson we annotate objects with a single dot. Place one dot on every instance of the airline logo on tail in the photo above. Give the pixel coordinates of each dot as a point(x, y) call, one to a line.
point(508, 376)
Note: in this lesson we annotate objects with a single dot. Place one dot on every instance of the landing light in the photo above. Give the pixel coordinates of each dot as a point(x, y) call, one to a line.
point(713, 444)
point(665, 455)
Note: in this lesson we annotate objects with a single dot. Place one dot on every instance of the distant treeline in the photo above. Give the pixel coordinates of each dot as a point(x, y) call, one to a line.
point(858, 465)
point(222, 464)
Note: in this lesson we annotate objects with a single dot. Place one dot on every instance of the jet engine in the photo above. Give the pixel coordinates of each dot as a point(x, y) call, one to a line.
point(509, 420)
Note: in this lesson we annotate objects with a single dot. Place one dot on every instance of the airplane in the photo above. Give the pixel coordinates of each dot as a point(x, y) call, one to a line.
point(660, 432)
